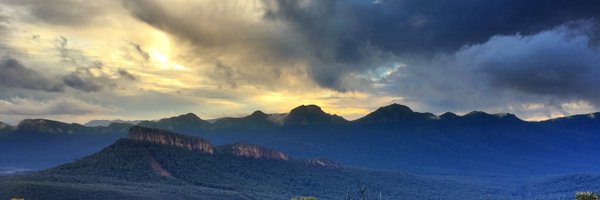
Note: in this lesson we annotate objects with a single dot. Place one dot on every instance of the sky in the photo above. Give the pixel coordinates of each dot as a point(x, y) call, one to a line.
point(77, 60)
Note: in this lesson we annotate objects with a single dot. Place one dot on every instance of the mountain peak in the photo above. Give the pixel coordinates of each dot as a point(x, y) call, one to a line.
point(396, 108)
point(164, 137)
point(185, 123)
point(449, 115)
point(258, 120)
point(477, 113)
point(190, 116)
point(308, 108)
point(394, 113)
point(258, 113)
point(253, 151)
point(311, 115)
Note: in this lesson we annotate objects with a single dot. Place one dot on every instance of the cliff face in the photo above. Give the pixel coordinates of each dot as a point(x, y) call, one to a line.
point(168, 138)
point(254, 151)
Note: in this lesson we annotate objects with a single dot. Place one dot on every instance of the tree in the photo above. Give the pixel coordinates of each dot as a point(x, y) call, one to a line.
point(587, 196)
point(362, 193)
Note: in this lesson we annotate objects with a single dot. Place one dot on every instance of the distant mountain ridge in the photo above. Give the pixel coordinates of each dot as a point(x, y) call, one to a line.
point(391, 137)
point(254, 121)
point(96, 123)
point(313, 115)
point(45, 126)
point(304, 115)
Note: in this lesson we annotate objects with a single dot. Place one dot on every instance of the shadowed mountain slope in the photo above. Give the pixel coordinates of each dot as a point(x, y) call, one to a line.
point(138, 168)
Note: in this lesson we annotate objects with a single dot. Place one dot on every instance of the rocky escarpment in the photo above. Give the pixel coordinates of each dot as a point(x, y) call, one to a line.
point(139, 133)
point(253, 151)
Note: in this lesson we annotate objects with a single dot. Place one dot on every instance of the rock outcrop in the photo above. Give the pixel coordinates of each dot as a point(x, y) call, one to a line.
point(158, 136)
point(253, 151)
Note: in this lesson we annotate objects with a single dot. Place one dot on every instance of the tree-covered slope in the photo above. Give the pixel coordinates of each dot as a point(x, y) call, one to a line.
point(131, 169)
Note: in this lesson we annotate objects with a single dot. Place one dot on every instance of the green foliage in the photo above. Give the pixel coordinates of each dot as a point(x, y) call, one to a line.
point(587, 196)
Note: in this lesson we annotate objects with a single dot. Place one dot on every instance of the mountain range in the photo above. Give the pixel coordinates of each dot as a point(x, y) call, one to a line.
point(393, 137)
point(158, 164)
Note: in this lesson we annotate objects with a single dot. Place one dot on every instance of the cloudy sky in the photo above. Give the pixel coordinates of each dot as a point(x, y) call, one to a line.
point(76, 60)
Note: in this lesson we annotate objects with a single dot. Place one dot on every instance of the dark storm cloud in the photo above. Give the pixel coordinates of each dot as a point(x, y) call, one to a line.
point(331, 29)
point(339, 30)
point(427, 26)
point(329, 25)
point(552, 67)
point(14, 75)
point(562, 62)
